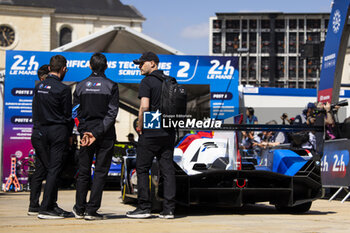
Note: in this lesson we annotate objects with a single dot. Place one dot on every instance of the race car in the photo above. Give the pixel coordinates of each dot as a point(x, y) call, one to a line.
point(211, 171)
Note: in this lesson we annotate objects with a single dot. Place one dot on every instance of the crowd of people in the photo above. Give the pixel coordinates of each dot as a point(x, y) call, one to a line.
point(257, 140)
point(95, 107)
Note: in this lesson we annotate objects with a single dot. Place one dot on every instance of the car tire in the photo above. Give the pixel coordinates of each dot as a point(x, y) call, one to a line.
point(124, 189)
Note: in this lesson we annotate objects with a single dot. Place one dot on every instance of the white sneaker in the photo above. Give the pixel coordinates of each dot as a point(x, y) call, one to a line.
point(168, 215)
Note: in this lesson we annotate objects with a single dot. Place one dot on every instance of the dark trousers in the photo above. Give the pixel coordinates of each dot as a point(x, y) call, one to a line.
point(41, 166)
point(162, 148)
point(104, 152)
point(55, 139)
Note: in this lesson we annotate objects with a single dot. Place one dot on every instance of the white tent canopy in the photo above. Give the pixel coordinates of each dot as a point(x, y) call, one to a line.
point(118, 39)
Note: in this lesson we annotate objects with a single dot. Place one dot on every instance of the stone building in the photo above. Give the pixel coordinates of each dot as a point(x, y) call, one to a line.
point(43, 25)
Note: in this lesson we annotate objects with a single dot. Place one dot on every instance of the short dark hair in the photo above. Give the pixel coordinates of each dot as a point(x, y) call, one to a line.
point(251, 111)
point(57, 62)
point(43, 70)
point(98, 63)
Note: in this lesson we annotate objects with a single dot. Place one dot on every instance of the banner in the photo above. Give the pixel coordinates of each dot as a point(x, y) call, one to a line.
point(334, 53)
point(220, 73)
point(335, 167)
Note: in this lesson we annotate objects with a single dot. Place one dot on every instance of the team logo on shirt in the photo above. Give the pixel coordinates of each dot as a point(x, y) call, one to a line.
point(90, 84)
point(42, 86)
point(151, 120)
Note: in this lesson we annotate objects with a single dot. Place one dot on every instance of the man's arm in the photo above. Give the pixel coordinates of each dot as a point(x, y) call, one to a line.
point(144, 107)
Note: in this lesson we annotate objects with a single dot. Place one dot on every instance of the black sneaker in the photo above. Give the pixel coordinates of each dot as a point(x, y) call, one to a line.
point(139, 213)
point(62, 212)
point(49, 214)
point(166, 215)
point(33, 211)
point(78, 214)
point(93, 216)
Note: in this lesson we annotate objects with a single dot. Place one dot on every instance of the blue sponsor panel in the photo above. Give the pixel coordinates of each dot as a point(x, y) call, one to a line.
point(220, 73)
point(337, 20)
point(335, 168)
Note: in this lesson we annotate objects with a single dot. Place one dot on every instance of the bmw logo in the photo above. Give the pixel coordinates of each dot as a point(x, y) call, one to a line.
point(41, 86)
point(89, 84)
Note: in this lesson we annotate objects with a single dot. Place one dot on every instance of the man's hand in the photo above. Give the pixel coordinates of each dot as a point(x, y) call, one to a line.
point(139, 130)
point(91, 137)
point(84, 141)
point(88, 139)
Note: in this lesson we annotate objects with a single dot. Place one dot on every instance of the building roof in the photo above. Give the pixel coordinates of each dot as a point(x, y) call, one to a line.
point(112, 8)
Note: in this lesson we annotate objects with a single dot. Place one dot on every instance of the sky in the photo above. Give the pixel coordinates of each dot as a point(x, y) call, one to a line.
point(184, 24)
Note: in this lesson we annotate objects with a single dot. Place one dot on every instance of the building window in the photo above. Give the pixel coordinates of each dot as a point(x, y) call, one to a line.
point(252, 24)
point(232, 24)
point(280, 24)
point(292, 67)
point(292, 24)
point(216, 42)
point(232, 42)
point(265, 42)
point(265, 24)
point(217, 24)
point(252, 42)
point(65, 36)
point(313, 24)
point(280, 42)
point(292, 42)
point(265, 67)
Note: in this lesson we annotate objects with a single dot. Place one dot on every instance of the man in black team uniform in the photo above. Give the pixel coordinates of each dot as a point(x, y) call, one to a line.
point(97, 99)
point(155, 142)
point(52, 110)
point(41, 163)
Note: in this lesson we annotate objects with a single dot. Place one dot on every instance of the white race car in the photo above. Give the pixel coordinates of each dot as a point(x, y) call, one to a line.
point(211, 171)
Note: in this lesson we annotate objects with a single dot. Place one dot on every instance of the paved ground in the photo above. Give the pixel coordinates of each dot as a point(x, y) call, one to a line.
point(324, 217)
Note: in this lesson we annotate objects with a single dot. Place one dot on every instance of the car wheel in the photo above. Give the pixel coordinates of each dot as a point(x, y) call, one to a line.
point(124, 187)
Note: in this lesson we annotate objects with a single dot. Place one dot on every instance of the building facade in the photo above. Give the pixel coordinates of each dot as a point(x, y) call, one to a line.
point(274, 49)
point(44, 25)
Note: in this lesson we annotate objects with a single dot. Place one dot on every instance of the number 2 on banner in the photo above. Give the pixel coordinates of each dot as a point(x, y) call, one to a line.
point(339, 165)
point(182, 73)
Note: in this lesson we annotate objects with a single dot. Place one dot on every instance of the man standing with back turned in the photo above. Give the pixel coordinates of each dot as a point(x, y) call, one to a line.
point(52, 110)
point(97, 102)
point(153, 142)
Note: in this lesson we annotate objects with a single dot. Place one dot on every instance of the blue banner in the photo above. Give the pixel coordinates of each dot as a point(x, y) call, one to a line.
point(219, 73)
point(328, 85)
point(335, 166)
